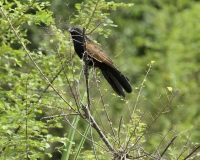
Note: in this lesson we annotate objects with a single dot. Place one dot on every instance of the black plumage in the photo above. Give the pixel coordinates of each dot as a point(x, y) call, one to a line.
point(99, 58)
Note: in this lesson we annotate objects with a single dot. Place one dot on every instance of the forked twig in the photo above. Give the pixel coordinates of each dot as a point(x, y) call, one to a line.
point(167, 105)
point(97, 128)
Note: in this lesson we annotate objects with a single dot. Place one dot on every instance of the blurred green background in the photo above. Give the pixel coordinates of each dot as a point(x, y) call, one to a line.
point(167, 32)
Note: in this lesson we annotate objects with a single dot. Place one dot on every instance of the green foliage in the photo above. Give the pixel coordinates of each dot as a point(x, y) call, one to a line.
point(23, 134)
point(35, 116)
point(92, 14)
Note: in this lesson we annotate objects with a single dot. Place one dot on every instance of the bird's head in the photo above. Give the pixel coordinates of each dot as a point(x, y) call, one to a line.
point(75, 31)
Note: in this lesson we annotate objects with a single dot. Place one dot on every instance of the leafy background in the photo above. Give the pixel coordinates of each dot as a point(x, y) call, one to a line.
point(167, 32)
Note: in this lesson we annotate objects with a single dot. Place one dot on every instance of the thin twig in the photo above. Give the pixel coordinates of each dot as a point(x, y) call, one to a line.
point(119, 130)
point(185, 147)
point(59, 115)
point(140, 90)
point(167, 147)
point(167, 105)
point(106, 113)
point(95, 28)
point(157, 149)
point(51, 83)
point(92, 15)
point(101, 98)
point(192, 152)
point(134, 131)
point(26, 119)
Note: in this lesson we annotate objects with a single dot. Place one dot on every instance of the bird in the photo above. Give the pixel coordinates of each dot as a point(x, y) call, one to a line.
point(98, 58)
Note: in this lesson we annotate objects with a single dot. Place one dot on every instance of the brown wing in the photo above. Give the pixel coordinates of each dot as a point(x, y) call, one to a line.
point(98, 53)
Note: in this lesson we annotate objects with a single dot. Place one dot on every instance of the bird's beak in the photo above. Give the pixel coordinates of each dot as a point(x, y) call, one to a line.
point(69, 30)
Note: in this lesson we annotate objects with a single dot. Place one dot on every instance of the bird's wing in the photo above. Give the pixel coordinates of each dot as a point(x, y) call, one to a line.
point(98, 53)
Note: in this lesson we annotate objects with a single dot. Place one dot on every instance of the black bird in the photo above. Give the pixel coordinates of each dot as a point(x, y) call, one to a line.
point(98, 58)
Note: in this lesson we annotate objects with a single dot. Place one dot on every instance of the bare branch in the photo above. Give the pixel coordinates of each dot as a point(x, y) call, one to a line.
point(97, 128)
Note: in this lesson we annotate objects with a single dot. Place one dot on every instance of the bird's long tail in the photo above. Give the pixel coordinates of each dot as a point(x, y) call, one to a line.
point(116, 79)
